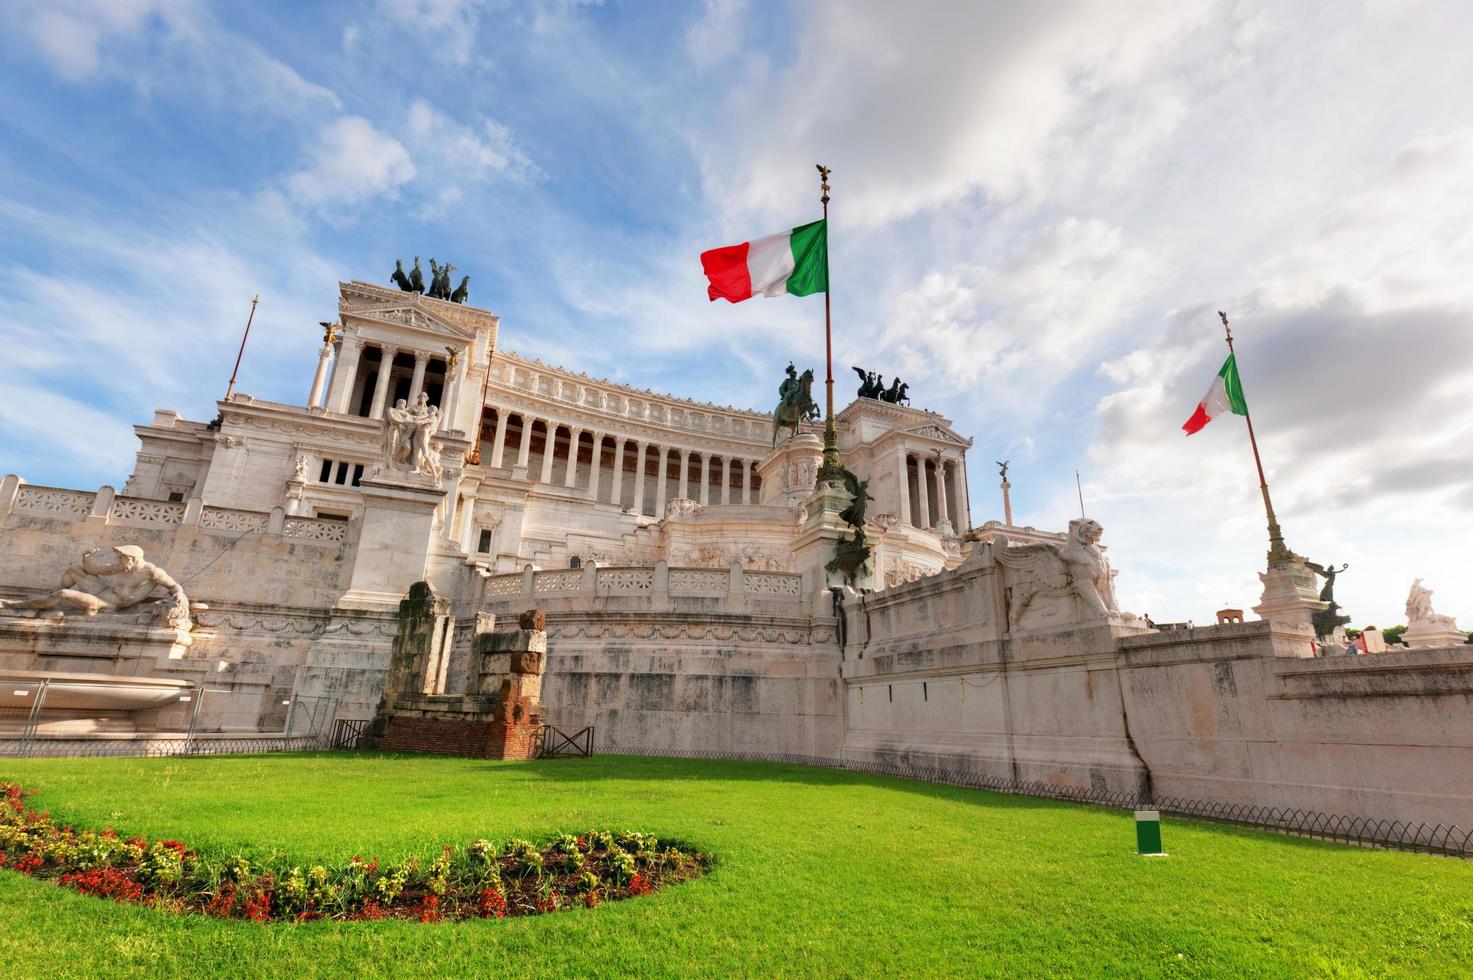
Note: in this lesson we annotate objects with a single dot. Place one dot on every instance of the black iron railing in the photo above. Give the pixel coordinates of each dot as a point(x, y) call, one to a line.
point(554, 743)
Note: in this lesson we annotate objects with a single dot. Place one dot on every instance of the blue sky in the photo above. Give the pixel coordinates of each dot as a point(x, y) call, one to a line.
point(1037, 210)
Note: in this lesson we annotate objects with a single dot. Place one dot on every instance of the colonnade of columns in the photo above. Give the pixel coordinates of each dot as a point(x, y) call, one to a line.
point(640, 472)
point(348, 389)
point(933, 490)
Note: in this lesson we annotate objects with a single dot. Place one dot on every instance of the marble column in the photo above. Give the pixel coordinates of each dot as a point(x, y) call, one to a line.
point(924, 490)
point(468, 525)
point(942, 511)
point(421, 361)
point(595, 465)
point(345, 377)
point(663, 462)
point(549, 448)
point(684, 474)
point(903, 459)
point(381, 388)
point(726, 479)
point(319, 380)
point(705, 478)
point(639, 476)
point(748, 496)
point(498, 442)
point(616, 494)
point(524, 451)
point(966, 497)
point(570, 477)
point(450, 392)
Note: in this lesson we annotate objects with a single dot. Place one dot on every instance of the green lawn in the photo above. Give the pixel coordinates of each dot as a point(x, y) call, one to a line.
point(819, 873)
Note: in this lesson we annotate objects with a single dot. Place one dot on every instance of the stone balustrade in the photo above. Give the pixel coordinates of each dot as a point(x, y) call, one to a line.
point(733, 588)
point(106, 506)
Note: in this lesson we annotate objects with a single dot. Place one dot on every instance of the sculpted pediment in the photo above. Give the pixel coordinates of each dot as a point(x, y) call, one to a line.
point(408, 316)
point(933, 431)
point(367, 301)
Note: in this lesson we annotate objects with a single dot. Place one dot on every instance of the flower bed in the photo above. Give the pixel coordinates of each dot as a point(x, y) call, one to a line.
point(478, 880)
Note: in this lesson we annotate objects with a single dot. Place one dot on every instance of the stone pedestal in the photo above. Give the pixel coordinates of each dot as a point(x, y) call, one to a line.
point(1289, 595)
point(394, 543)
point(1434, 633)
point(788, 472)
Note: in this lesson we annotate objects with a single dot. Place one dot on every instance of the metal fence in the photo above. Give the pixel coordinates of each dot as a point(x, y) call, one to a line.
point(353, 733)
point(76, 716)
point(554, 743)
point(1398, 835)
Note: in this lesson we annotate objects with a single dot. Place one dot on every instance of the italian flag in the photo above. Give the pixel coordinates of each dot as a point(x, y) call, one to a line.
point(1224, 395)
point(794, 262)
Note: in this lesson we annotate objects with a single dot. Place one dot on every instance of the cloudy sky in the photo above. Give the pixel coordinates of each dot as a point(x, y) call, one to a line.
point(1037, 210)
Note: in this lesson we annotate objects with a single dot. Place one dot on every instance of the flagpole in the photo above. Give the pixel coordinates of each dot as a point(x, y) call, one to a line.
point(831, 464)
point(1278, 552)
point(230, 388)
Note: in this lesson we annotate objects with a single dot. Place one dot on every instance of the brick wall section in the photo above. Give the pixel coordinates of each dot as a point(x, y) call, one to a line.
point(443, 736)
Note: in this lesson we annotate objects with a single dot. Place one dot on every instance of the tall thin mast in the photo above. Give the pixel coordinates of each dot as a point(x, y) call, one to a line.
point(831, 464)
point(1278, 552)
point(230, 388)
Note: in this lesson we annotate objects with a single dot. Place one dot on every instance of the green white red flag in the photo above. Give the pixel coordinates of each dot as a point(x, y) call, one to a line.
point(794, 263)
point(1224, 395)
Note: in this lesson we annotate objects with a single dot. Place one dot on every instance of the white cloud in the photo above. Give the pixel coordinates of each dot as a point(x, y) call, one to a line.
point(718, 33)
point(452, 155)
point(918, 106)
point(350, 162)
point(163, 46)
point(448, 26)
point(1025, 318)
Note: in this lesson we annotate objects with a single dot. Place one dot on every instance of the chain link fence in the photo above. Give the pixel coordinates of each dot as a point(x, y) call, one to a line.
point(1398, 835)
point(77, 716)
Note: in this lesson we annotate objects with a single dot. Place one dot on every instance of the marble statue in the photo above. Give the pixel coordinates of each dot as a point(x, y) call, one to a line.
point(99, 583)
point(408, 437)
point(299, 470)
point(1419, 608)
point(1045, 571)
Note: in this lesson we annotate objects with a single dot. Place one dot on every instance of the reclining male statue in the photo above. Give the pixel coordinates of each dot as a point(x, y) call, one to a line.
point(96, 584)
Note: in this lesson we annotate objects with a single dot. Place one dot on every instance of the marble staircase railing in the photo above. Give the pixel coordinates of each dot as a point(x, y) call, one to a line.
point(107, 506)
point(658, 582)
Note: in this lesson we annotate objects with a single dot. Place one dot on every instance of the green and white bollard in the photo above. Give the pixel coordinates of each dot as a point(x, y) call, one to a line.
point(1148, 833)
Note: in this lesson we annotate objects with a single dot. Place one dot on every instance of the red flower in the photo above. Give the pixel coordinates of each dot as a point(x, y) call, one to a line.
point(373, 912)
point(492, 904)
point(223, 902)
point(28, 864)
point(429, 909)
point(639, 885)
point(174, 845)
point(105, 883)
point(257, 907)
